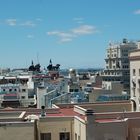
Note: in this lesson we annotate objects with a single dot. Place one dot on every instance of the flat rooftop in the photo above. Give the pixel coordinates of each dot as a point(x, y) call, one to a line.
point(12, 115)
point(72, 110)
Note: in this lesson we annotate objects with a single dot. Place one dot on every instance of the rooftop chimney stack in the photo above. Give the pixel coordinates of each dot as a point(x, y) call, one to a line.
point(90, 125)
point(90, 117)
point(43, 113)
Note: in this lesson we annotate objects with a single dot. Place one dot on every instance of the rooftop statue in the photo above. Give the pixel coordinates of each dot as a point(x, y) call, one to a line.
point(37, 67)
point(34, 68)
point(51, 67)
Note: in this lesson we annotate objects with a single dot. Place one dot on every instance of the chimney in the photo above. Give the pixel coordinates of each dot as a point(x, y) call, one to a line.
point(90, 125)
point(90, 117)
point(43, 113)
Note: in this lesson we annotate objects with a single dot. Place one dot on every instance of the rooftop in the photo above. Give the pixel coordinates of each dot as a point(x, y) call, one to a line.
point(71, 110)
point(12, 115)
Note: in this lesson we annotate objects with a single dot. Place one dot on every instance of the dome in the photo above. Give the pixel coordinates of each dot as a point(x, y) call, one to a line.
point(72, 70)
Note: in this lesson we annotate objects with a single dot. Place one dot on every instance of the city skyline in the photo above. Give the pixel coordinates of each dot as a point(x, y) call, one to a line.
point(73, 33)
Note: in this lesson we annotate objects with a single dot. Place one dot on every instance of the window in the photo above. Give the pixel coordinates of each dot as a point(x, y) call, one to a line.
point(22, 97)
point(71, 90)
point(139, 84)
point(134, 72)
point(23, 90)
point(118, 73)
point(76, 90)
point(10, 90)
point(134, 92)
point(75, 136)
point(125, 66)
point(106, 61)
point(125, 61)
point(139, 72)
point(78, 137)
point(30, 95)
point(45, 136)
point(125, 54)
point(64, 136)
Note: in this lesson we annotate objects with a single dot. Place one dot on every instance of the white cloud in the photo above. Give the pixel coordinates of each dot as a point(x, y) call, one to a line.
point(30, 36)
point(84, 29)
point(59, 33)
point(11, 22)
point(73, 33)
point(28, 24)
point(64, 36)
point(137, 12)
point(62, 40)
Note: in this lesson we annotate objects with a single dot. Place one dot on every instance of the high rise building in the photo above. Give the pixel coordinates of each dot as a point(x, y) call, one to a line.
point(117, 63)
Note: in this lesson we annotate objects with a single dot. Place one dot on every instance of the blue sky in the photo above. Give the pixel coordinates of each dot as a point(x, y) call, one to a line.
point(74, 33)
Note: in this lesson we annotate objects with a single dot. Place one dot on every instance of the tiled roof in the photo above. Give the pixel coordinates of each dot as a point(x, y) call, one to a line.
point(67, 112)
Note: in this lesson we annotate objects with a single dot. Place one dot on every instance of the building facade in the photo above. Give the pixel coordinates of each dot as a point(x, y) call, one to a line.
point(134, 57)
point(117, 63)
point(89, 121)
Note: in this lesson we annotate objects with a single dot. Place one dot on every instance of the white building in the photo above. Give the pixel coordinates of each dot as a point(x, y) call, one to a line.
point(134, 58)
point(117, 63)
point(74, 85)
point(17, 91)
